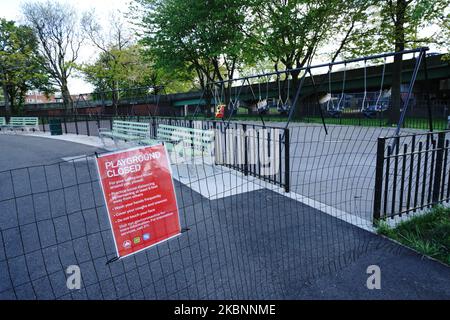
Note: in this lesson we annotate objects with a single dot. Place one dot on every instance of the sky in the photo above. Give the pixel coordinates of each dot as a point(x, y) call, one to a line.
point(10, 9)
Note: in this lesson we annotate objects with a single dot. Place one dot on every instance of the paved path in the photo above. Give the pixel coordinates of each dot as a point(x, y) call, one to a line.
point(337, 169)
point(19, 150)
point(258, 244)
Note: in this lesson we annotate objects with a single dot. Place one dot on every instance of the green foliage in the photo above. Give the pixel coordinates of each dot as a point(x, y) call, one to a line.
point(428, 233)
point(56, 26)
point(118, 68)
point(186, 44)
point(401, 21)
point(291, 32)
point(20, 64)
point(125, 69)
point(196, 39)
point(445, 25)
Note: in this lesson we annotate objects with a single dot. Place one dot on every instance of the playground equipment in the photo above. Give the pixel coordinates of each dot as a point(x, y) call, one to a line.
point(370, 110)
point(331, 107)
point(283, 106)
point(220, 106)
point(322, 91)
point(336, 110)
point(364, 100)
point(262, 105)
point(381, 105)
point(220, 111)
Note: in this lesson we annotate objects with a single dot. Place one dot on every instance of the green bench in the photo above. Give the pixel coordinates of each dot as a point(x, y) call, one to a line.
point(126, 131)
point(24, 123)
point(2, 123)
point(198, 141)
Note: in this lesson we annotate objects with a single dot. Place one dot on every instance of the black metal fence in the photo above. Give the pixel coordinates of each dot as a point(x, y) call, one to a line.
point(244, 240)
point(260, 151)
point(415, 118)
point(251, 145)
point(412, 173)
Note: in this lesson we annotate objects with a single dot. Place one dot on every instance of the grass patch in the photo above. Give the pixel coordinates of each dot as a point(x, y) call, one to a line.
point(429, 234)
point(411, 123)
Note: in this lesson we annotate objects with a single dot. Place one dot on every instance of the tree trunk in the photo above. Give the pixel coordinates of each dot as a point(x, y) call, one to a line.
point(5, 92)
point(67, 98)
point(115, 99)
point(7, 102)
point(300, 111)
point(396, 99)
point(208, 105)
point(399, 36)
point(227, 101)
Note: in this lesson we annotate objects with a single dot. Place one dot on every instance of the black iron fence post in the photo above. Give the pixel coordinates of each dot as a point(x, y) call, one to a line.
point(427, 88)
point(286, 160)
point(87, 126)
point(438, 167)
point(76, 124)
point(378, 179)
point(244, 129)
point(65, 123)
point(154, 128)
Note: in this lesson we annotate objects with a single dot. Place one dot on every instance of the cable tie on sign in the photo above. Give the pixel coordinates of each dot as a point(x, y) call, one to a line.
point(112, 260)
point(185, 230)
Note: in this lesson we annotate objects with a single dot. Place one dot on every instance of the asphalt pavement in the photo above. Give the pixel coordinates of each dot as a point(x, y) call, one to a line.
point(257, 244)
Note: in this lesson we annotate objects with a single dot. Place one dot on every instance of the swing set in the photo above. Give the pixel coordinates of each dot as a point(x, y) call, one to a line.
point(262, 106)
point(372, 110)
point(292, 95)
point(284, 105)
point(335, 109)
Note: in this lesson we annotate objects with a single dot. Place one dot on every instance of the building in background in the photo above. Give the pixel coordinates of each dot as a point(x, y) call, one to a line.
point(35, 96)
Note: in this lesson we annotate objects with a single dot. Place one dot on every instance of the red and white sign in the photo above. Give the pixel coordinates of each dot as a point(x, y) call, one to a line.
point(140, 197)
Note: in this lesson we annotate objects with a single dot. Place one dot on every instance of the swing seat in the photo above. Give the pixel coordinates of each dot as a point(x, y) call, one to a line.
point(371, 111)
point(335, 113)
point(283, 108)
point(262, 106)
point(220, 111)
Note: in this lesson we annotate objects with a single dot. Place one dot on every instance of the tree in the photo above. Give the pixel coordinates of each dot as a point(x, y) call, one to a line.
point(291, 33)
point(121, 66)
point(116, 71)
point(116, 62)
point(395, 25)
point(195, 37)
point(446, 34)
point(20, 65)
point(56, 28)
